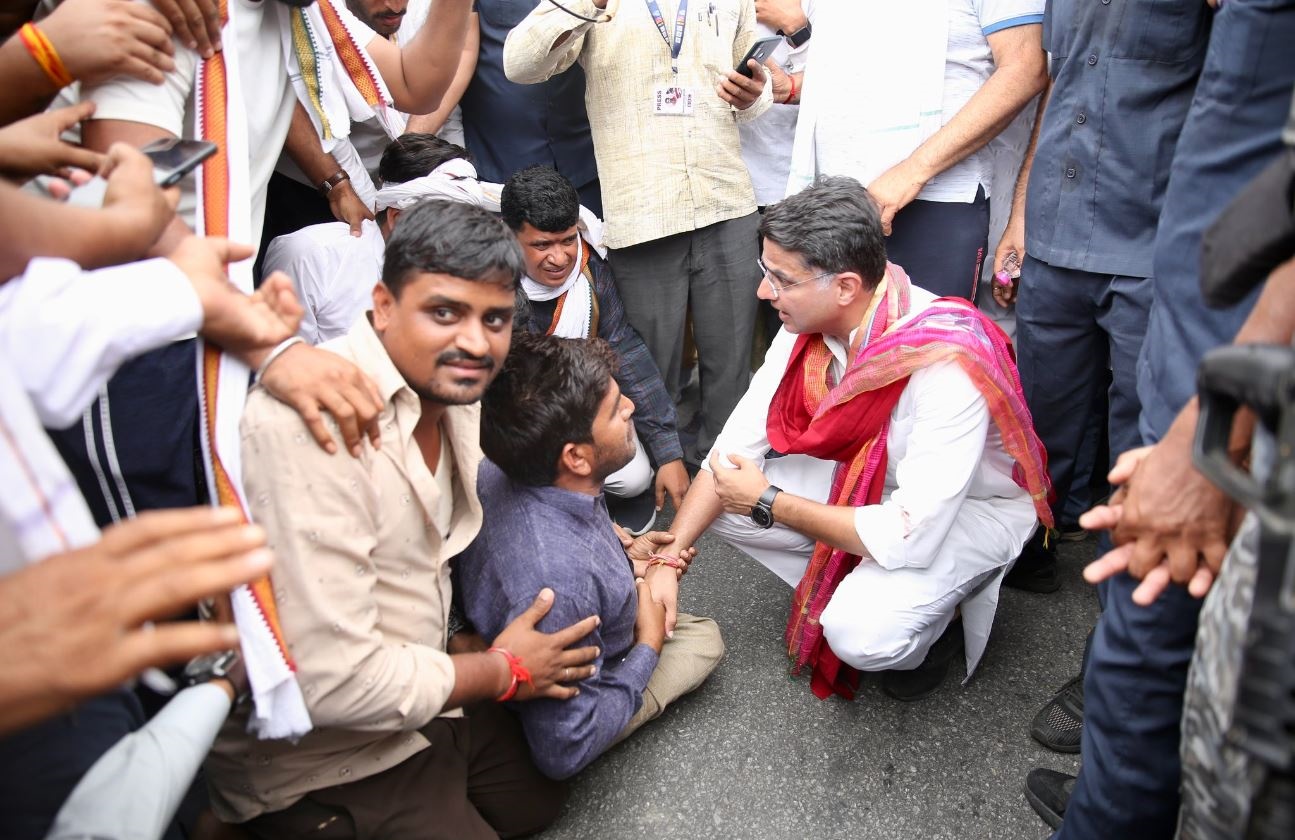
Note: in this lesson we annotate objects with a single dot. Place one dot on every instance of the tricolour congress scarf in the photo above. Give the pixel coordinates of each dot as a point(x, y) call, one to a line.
point(848, 423)
point(225, 209)
point(337, 83)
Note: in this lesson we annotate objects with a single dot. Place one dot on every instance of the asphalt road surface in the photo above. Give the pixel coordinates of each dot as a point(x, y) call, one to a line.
point(753, 754)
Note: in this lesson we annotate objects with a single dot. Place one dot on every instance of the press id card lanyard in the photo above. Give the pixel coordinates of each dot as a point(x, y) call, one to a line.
point(672, 100)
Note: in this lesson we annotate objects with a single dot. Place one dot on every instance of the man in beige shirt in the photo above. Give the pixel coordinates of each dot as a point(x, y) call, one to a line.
point(664, 104)
point(362, 580)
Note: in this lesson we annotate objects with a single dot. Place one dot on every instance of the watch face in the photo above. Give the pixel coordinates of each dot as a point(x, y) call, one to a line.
point(762, 516)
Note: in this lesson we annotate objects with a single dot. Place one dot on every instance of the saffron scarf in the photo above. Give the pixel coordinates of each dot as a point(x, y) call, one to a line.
point(337, 82)
point(848, 423)
point(224, 209)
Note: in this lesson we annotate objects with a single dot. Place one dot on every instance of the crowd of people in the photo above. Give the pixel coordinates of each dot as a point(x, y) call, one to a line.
point(333, 468)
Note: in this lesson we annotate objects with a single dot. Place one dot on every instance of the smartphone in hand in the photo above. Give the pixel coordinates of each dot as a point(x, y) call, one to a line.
point(760, 51)
point(172, 160)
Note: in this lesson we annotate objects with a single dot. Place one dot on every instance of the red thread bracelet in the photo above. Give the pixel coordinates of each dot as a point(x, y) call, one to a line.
point(664, 560)
point(516, 670)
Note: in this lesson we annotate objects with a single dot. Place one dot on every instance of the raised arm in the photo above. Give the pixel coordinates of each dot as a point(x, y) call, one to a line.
point(549, 40)
point(435, 121)
point(419, 74)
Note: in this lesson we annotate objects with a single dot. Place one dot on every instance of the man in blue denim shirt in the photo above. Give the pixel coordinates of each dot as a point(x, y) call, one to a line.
point(554, 425)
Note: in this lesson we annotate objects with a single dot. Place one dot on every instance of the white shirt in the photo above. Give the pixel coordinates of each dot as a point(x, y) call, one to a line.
point(767, 141)
point(267, 98)
point(945, 461)
point(63, 333)
point(841, 101)
point(334, 274)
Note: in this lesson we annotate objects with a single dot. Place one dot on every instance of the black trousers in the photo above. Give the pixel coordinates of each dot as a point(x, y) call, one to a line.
point(475, 781)
point(942, 244)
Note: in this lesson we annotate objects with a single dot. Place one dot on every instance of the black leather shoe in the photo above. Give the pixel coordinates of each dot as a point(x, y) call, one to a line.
point(1060, 723)
point(1048, 792)
point(926, 678)
point(1035, 569)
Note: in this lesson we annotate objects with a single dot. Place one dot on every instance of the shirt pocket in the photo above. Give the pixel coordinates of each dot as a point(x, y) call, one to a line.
point(1160, 30)
point(718, 32)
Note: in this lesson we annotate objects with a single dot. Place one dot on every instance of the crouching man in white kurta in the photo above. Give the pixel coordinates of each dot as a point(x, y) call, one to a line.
point(909, 475)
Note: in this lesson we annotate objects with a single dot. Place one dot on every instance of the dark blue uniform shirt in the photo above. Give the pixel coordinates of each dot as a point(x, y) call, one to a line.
point(1123, 72)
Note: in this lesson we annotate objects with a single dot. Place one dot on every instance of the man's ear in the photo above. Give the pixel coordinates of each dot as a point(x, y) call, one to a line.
point(383, 304)
point(388, 221)
point(576, 459)
point(849, 286)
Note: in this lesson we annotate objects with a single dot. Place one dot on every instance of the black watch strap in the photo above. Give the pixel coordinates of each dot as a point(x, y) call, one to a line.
point(800, 36)
point(762, 513)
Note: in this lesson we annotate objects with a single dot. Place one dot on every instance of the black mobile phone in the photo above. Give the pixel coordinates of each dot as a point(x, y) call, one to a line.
point(173, 158)
point(760, 51)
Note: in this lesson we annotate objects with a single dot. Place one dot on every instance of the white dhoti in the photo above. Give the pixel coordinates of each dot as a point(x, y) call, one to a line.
point(883, 619)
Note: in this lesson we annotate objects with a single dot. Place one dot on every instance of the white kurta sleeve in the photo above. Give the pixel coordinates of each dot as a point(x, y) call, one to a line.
point(940, 454)
point(134, 789)
point(66, 331)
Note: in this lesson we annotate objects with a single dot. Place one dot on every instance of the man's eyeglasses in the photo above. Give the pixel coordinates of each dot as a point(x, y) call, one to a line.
point(777, 286)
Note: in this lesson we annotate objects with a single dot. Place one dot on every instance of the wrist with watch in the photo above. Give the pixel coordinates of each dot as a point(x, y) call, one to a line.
point(332, 182)
point(222, 665)
point(762, 513)
point(799, 37)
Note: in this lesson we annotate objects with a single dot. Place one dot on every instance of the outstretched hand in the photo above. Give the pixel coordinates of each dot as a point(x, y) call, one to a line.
point(34, 146)
point(76, 624)
point(235, 321)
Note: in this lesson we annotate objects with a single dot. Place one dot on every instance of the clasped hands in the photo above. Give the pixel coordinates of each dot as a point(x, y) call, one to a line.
point(1169, 523)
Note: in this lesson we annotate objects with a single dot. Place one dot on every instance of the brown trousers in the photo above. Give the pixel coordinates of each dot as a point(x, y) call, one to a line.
point(476, 780)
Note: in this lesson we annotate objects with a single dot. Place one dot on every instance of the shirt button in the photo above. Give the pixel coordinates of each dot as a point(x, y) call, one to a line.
point(1092, 59)
point(1070, 172)
point(1081, 119)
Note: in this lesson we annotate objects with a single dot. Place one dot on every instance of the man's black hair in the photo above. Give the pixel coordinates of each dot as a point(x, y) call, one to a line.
point(449, 237)
point(541, 196)
point(832, 225)
point(412, 156)
point(546, 396)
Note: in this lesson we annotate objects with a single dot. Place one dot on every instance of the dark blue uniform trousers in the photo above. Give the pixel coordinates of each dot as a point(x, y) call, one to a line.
point(1133, 687)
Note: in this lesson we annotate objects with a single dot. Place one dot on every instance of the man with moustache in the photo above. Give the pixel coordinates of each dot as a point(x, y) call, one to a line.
point(404, 733)
point(910, 473)
point(572, 294)
point(555, 425)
